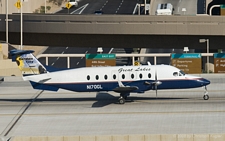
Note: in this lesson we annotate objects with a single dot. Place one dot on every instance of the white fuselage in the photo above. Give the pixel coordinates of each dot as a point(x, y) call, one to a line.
point(107, 78)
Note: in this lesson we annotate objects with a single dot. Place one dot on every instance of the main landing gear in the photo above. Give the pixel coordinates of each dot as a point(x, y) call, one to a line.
point(123, 98)
point(206, 96)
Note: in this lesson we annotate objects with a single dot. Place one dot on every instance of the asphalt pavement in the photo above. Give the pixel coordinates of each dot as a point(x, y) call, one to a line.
point(66, 113)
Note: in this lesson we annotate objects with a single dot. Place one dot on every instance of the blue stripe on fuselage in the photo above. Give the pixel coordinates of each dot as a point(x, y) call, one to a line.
point(100, 86)
point(109, 86)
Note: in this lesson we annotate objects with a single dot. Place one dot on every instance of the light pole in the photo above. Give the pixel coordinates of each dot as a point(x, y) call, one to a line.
point(207, 46)
point(21, 26)
point(45, 6)
point(7, 23)
point(139, 9)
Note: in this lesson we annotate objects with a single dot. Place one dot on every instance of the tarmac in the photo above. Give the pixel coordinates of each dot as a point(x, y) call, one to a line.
point(28, 112)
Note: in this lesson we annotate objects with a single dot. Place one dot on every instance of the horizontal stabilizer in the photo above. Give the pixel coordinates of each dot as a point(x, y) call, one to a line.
point(44, 80)
point(14, 53)
point(20, 52)
point(41, 86)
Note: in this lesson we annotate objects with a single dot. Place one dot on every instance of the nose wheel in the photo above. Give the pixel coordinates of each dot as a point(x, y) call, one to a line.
point(206, 96)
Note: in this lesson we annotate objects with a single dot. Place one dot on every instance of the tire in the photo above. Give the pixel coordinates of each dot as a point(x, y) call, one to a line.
point(205, 97)
point(121, 100)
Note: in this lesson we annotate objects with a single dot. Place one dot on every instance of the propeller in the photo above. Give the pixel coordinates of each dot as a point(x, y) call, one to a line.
point(156, 93)
point(156, 83)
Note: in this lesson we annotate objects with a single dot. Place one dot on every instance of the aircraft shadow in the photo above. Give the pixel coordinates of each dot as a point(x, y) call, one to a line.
point(102, 99)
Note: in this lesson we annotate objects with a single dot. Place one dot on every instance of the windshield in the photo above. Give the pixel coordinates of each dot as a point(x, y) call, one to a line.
point(182, 73)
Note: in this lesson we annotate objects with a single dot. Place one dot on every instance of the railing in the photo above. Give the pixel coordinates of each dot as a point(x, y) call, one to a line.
point(155, 55)
point(115, 19)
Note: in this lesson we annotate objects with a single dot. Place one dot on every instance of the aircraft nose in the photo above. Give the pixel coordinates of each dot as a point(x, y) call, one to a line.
point(205, 82)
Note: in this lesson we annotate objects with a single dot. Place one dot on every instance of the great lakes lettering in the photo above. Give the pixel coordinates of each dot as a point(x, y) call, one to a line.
point(131, 69)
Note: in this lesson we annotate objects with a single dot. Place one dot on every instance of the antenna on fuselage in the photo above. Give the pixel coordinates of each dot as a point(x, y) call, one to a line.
point(149, 63)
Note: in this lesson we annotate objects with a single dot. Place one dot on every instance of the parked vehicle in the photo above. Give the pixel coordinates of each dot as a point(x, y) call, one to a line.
point(164, 9)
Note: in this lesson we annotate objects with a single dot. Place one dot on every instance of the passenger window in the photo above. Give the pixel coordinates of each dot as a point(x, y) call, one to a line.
point(149, 75)
point(140, 75)
point(106, 77)
point(132, 76)
point(123, 76)
point(88, 77)
point(175, 74)
point(96, 77)
point(114, 76)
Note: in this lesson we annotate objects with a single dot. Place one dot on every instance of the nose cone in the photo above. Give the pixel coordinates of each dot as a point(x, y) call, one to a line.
point(204, 82)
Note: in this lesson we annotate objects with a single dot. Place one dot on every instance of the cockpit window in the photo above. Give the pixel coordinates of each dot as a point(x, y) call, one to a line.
point(175, 74)
point(181, 73)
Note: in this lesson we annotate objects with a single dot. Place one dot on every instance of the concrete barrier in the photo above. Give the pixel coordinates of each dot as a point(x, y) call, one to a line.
point(9, 68)
point(185, 137)
point(12, 78)
point(217, 137)
point(150, 137)
point(71, 138)
point(103, 138)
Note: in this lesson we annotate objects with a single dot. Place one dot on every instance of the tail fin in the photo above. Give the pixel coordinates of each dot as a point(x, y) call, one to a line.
point(27, 63)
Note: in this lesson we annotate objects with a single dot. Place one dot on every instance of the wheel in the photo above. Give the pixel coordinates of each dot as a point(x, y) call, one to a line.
point(121, 100)
point(205, 97)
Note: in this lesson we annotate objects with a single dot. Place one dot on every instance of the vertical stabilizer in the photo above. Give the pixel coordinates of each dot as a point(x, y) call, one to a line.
point(27, 63)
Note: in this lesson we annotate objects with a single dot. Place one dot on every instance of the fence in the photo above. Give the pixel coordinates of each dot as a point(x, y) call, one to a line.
point(156, 55)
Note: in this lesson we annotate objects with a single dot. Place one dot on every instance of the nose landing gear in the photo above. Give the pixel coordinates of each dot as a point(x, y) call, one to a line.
point(206, 96)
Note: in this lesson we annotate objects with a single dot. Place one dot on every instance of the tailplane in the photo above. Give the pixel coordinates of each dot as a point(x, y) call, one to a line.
point(27, 63)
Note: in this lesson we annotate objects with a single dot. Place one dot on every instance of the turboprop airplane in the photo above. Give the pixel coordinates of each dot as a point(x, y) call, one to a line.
point(121, 79)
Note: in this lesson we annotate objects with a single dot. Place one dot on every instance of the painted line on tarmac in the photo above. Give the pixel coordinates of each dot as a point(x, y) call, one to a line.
point(18, 116)
point(121, 113)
